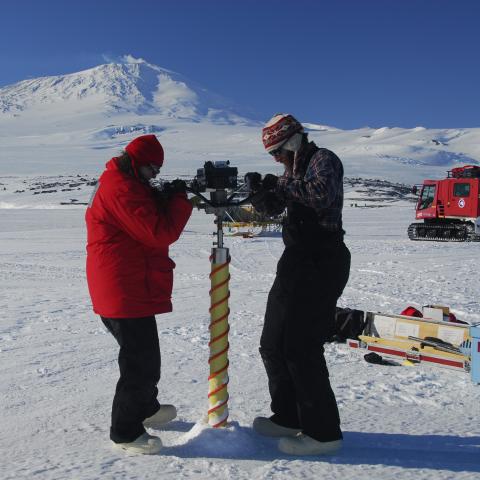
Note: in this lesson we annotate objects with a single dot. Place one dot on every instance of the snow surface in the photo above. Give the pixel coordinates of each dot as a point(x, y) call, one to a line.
point(58, 364)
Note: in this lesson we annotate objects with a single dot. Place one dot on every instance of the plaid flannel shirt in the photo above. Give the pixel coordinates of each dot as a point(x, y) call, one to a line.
point(317, 184)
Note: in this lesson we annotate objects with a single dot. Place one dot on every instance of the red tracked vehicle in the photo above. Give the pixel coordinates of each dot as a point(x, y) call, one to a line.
point(449, 208)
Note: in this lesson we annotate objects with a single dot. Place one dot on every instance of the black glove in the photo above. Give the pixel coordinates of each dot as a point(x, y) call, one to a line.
point(253, 181)
point(168, 189)
point(179, 186)
point(270, 182)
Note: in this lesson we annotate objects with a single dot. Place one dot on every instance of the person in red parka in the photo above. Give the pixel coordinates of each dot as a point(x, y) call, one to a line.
point(130, 279)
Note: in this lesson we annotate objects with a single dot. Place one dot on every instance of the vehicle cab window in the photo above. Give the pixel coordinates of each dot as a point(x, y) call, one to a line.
point(461, 189)
point(427, 197)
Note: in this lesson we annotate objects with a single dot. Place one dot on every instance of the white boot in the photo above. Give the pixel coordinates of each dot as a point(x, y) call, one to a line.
point(145, 444)
point(265, 426)
point(304, 445)
point(163, 416)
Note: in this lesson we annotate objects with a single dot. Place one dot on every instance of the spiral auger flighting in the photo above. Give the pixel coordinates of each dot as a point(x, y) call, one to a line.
point(219, 328)
point(219, 295)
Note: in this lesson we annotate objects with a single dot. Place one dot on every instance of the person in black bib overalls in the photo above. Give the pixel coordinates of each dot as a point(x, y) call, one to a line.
point(311, 275)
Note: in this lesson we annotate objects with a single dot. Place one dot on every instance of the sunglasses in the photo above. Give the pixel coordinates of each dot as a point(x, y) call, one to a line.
point(277, 152)
point(155, 168)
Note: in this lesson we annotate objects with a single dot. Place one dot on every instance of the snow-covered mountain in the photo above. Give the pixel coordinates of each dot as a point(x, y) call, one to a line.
point(134, 86)
point(72, 124)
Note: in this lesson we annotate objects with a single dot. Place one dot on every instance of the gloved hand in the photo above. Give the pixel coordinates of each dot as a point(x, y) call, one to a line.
point(253, 181)
point(269, 181)
point(168, 189)
point(178, 186)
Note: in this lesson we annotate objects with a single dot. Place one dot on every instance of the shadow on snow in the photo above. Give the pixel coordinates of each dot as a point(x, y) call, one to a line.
point(436, 452)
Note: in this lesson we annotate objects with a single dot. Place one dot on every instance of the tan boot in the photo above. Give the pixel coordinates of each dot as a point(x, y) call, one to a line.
point(305, 445)
point(166, 414)
point(145, 444)
point(268, 428)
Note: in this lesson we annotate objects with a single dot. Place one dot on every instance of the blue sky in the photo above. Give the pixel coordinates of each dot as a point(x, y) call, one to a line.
point(346, 63)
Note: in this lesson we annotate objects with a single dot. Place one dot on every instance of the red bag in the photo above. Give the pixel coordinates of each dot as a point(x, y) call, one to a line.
point(412, 312)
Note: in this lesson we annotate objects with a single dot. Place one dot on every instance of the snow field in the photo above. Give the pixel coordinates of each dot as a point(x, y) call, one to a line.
point(58, 365)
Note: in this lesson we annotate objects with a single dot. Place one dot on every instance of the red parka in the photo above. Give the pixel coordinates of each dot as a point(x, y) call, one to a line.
point(129, 272)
